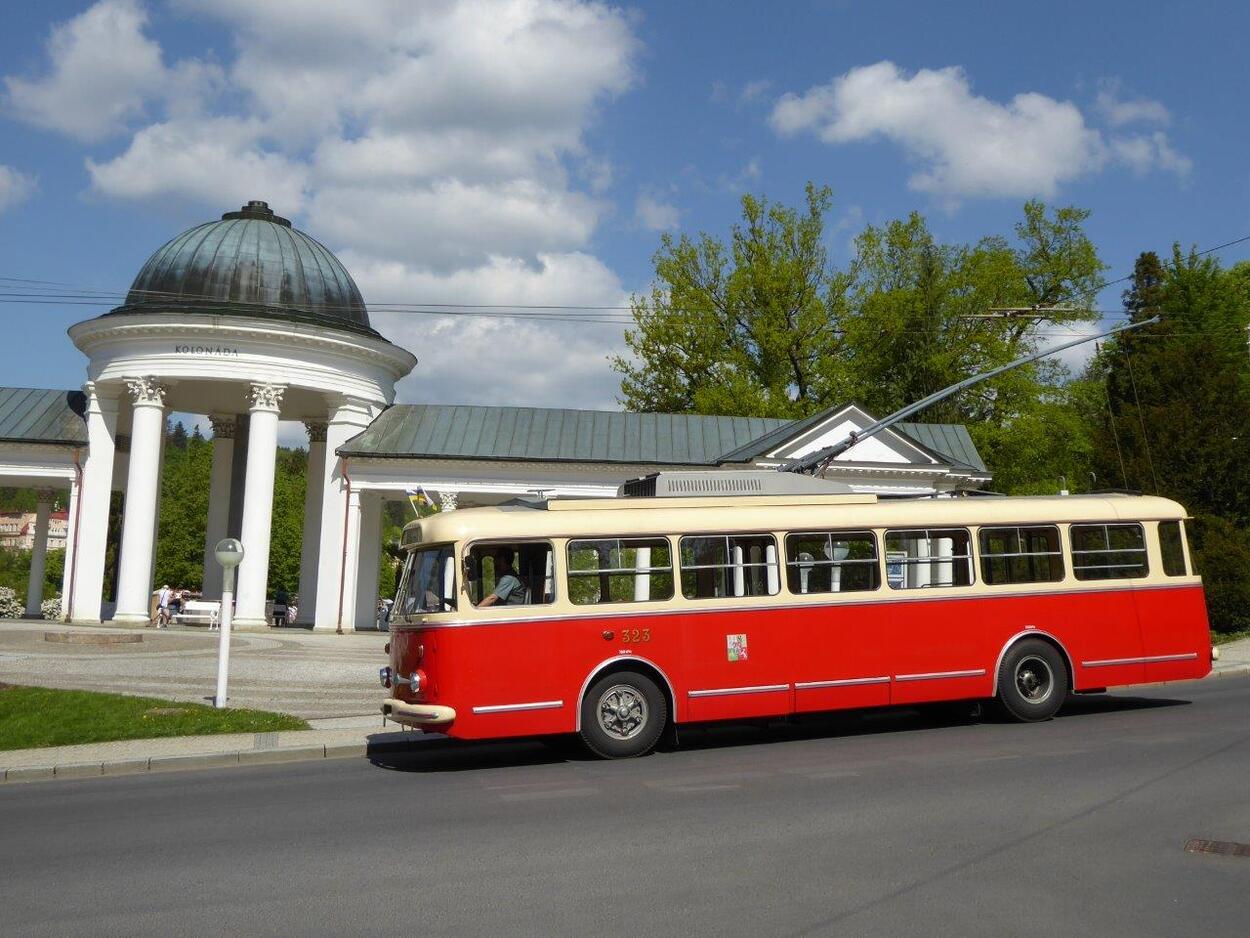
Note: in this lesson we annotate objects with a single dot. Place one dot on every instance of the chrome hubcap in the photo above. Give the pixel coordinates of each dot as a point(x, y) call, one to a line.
point(1034, 679)
point(622, 711)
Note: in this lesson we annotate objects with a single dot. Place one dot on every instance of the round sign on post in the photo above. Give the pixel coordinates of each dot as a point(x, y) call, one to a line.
point(229, 553)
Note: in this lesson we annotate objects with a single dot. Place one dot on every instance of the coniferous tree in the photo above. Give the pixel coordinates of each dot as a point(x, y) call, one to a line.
point(1174, 419)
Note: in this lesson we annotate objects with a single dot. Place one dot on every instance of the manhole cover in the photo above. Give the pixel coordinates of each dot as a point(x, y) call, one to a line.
point(1223, 848)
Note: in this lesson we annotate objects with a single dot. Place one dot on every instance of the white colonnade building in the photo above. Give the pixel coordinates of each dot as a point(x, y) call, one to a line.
point(249, 322)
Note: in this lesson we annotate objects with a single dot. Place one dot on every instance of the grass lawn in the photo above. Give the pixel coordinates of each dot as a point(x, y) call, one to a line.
point(32, 717)
point(1223, 638)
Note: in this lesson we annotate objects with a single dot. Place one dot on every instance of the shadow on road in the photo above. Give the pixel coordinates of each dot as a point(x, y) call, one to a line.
point(448, 755)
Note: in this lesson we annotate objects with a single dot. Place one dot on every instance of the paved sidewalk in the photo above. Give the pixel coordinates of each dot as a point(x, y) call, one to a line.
point(303, 673)
point(1234, 658)
point(329, 739)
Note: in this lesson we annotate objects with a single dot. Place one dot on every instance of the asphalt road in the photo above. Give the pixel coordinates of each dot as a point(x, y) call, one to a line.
point(893, 824)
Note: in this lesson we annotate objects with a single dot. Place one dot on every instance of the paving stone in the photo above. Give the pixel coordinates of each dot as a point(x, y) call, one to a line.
point(29, 773)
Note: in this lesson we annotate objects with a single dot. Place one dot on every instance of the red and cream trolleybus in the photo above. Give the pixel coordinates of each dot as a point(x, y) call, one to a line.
point(730, 595)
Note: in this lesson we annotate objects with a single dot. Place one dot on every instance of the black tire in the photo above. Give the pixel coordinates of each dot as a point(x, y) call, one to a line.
point(641, 713)
point(1032, 681)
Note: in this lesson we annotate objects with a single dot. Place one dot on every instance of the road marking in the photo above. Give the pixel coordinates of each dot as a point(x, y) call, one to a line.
point(689, 789)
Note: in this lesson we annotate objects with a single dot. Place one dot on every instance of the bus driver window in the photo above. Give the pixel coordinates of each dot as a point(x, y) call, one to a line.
point(514, 574)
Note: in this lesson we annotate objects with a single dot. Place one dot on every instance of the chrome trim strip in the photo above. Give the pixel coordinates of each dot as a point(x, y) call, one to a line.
point(848, 682)
point(872, 597)
point(513, 708)
point(1152, 659)
point(939, 675)
point(728, 691)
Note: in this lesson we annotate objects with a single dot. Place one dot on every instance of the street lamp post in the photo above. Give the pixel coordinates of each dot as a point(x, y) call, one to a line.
point(229, 554)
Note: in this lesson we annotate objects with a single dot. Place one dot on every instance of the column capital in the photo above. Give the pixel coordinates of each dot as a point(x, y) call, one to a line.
point(146, 391)
point(316, 430)
point(224, 428)
point(266, 397)
point(447, 500)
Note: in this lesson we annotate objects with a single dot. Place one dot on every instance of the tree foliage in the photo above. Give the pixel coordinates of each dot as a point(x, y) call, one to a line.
point(767, 325)
point(1174, 414)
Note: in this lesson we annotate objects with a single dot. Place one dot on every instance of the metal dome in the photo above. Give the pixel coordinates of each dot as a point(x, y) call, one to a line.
point(251, 263)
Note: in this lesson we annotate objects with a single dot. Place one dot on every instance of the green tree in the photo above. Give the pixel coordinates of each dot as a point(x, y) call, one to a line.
point(747, 328)
point(767, 326)
point(1174, 414)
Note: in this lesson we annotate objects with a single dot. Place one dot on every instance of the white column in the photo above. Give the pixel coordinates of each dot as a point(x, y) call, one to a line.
point(71, 528)
point(642, 576)
point(262, 453)
point(369, 557)
point(38, 552)
point(336, 569)
point(97, 488)
point(218, 501)
point(310, 545)
point(134, 584)
point(923, 571)
point(946, 566)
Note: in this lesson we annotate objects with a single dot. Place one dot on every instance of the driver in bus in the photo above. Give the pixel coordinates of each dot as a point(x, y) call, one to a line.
point(508, 587)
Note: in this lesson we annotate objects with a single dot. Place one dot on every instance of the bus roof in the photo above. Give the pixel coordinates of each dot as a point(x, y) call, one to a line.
point(619, 517)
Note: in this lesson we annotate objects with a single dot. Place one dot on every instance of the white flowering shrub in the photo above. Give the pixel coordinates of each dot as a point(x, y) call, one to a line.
point(10, 607)
point(51, 609)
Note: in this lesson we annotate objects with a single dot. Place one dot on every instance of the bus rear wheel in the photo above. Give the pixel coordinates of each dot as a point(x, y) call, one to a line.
point(623, 715)
point(1032, 681)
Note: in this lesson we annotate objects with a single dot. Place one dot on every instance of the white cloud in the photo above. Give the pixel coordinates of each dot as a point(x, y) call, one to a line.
point(15, 187)
point(1145, 152)
point(968, 145)
point(437, 147)
point(101, 69)
point(491, 359)
point(654, 214)
point(1118, 112)
point(216, 161)
point(754, 91)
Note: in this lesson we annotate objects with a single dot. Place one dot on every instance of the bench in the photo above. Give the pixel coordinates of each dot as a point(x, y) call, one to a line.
point(199, 612)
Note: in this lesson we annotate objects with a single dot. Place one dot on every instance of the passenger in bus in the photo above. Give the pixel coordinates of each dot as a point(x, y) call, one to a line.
point(508, 587)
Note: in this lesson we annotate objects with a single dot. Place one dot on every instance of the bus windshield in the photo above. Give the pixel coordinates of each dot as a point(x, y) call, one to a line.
point(431, 582)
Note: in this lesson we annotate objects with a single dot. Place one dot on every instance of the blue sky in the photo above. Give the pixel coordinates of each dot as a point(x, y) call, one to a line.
point(532, 152)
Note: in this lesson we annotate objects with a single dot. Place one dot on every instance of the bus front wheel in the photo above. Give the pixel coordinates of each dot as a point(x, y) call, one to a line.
point(1032, 681)
point(623, 715)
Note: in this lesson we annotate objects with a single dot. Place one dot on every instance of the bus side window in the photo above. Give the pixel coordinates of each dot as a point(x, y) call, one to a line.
point(1171, 549)
point(619, 570)
point(1021, 555)
point(1108, 551)
point(929, 558)
point(720, 565)
point(832, 562)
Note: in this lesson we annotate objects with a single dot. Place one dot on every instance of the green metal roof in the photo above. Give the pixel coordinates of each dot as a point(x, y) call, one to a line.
point(949, 440)
point(38, 415)
point(452, 431)
point(449, 431)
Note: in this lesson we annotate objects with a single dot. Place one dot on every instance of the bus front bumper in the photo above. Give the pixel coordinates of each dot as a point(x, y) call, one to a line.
point(417, 714)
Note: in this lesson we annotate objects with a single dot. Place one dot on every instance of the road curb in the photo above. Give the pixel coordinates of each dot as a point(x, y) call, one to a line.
point(1240, 670)
point(210, 760)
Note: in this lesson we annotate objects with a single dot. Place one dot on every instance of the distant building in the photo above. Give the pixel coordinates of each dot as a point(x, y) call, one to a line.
point(17, 530)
